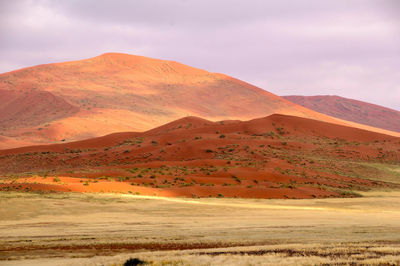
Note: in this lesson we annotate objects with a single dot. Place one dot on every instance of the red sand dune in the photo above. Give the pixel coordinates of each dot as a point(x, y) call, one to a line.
point(351, 110)
point(119, 92)
point(278, 156)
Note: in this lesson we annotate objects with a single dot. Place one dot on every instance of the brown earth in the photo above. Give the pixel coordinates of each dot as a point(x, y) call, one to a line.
point(351, 110)
point(277, 156)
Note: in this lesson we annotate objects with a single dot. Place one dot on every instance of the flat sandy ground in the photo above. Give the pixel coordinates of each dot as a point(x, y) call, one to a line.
point(108, 229)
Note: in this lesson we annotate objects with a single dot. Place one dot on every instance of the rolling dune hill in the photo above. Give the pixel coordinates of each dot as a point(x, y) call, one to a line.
point(118, 92)
point(277, 156)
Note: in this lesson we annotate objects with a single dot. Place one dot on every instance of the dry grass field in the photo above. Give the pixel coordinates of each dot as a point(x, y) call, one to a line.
point(108, 229)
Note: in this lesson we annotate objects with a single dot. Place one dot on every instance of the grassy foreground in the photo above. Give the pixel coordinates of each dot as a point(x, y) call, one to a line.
point(108, 229)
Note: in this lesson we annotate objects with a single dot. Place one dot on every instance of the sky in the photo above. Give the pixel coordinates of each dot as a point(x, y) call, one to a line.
point(349, 48)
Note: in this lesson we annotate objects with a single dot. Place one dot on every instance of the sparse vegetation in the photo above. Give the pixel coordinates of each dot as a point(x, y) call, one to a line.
point(155, 143)
point(134, 262)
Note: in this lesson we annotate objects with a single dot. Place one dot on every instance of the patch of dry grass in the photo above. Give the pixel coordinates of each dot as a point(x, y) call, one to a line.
point(290, 254)
point(107, 229)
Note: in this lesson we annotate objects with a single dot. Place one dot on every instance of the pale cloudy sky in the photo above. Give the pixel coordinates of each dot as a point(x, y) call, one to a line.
point(349, 48)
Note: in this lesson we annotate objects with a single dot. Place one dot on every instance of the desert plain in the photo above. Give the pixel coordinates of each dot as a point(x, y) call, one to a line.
point(108, 229)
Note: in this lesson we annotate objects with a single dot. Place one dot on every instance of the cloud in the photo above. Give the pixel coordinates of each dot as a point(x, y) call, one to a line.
point(349, 48)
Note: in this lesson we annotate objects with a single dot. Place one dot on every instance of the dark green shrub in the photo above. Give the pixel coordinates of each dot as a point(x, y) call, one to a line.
point(134, 262)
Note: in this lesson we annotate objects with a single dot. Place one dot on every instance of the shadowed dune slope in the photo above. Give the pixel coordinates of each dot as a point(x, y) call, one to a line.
point(32, 108)
point(351, 110)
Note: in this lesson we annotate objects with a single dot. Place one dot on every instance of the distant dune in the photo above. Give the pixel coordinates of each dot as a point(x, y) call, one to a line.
point(351, 110)
point(119, 92)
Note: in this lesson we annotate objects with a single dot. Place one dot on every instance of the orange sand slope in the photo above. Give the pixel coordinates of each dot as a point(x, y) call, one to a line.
point(351, 110)
point(278, 156)
point(119, 92)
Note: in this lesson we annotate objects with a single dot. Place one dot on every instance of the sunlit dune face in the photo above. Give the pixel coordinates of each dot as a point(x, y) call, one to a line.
point(119, 92)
